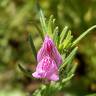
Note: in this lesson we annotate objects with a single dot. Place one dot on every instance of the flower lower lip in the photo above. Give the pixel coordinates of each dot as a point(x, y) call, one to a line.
point(46, 69)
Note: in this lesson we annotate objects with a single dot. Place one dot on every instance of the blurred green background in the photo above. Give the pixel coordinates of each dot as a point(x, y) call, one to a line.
point(18, 17)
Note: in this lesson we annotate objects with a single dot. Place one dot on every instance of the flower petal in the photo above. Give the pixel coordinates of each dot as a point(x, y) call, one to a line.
point(36, 75)
point(49, 49)
point(47, 68)
point(54, 77)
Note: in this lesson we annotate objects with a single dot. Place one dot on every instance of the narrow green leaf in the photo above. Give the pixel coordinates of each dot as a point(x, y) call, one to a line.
point(32, 46)
point(63, 33)
point(83, 35)
point(68, 39)
point(73, 69)
point(34, 23)
point(25, 71)
point(63, 56)
point(55, 35)
point(43, 23)
point(50, 25)
point(53, 25)
point(69, 66)
point(67, 79)
point(71, 55)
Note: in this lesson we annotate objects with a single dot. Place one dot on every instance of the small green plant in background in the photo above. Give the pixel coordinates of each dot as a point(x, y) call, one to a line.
point(67, 48)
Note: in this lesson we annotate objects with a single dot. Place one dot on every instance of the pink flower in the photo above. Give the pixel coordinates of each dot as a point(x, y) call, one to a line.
point(48, 59)
point(47, 68)
point(49, 49)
